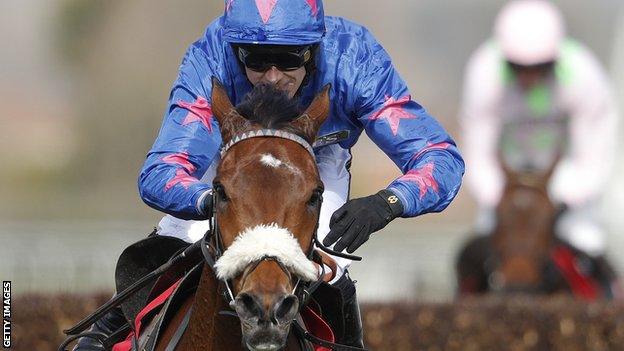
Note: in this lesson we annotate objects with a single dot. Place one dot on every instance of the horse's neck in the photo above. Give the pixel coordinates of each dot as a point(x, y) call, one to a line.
point(207, 327)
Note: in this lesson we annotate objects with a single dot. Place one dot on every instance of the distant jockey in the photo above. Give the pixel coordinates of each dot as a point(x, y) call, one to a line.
point(531, 94)
point(292, 44)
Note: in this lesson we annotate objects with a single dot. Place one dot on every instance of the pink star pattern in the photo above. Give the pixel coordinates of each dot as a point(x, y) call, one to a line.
point(430, 146)
point(182, 175)
point(200, 110)
point(393, 112)
point(423, 177)
point(180, 159)
point(265, 7)
point(313, 6)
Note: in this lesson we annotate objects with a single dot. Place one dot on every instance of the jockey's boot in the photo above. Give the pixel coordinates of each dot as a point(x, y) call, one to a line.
point(353, 335)
point(606, 276)
point(353, 331)
point(108, 324)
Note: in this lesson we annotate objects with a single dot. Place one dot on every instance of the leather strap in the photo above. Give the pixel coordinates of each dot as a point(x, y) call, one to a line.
point(317, 341)
point(173, 343)
point(124, 295)
point(329, 262)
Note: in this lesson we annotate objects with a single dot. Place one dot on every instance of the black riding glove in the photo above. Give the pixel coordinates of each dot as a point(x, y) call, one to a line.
point(355, 221)
point(205, 204)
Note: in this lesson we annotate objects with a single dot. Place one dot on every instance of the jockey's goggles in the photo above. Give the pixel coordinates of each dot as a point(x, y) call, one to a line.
point(284, 58)
point(541, 67)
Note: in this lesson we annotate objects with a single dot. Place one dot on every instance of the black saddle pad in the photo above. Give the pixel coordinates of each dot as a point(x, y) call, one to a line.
point(138, 260)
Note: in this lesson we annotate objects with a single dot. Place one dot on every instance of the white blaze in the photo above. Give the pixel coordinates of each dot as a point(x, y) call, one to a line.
point(272, 161)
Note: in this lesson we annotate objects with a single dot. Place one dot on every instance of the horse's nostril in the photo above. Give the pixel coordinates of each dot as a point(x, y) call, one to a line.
point(248, 306)
point(286, 309)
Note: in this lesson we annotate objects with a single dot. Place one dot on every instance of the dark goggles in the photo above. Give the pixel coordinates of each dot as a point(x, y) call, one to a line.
point(261, 59)
point(542, 67)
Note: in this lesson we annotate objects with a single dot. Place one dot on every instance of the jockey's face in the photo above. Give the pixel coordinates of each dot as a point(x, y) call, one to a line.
point(281, 65)
point(289, 81)
point(529, 76)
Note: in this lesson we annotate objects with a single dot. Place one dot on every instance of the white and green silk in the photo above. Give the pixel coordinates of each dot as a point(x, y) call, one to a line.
point(573, 111)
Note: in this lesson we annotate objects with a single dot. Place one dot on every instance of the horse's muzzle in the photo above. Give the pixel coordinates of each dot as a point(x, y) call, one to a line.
point(265, 327)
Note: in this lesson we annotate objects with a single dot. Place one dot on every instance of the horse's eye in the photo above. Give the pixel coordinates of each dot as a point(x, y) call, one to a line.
point(220, 191)
point(315, 198)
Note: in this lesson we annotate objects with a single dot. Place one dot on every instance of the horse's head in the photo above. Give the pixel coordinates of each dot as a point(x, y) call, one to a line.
point(524, 232)
point(267, 202)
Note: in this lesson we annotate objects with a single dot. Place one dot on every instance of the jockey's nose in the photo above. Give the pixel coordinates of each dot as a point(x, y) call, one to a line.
point(273, 75)
point(274, 309)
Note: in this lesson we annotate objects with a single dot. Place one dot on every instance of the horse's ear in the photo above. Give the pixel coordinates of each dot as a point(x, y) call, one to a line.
point(310, 121)
point(230, 121)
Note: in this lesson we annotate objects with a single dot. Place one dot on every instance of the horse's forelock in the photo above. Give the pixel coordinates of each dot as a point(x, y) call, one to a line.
point(270, 108)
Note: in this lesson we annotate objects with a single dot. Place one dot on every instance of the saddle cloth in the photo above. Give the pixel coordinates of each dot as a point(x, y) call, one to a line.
point(583, 285)
point(150, 309)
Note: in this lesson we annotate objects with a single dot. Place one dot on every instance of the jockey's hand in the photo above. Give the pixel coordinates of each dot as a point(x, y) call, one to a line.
point(355, 221)
point(206, 204)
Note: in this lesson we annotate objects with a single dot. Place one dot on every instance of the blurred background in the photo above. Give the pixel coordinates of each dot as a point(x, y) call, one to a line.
point(83, 88)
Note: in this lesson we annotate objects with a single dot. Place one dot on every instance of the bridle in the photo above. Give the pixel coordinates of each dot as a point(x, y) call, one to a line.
point(212, 245)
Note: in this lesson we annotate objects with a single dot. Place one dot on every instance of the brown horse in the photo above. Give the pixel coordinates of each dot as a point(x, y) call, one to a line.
point(524, 234)
point(517, 253)
point(522, 253)
point(267, 195)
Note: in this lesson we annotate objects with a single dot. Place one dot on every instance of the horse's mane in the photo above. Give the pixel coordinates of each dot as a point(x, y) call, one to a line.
point(270, 108)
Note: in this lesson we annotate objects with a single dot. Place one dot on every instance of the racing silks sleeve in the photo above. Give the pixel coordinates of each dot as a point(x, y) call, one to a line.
point(481, 124)
point(187, 143)
point(431, 164)
point(583, 175)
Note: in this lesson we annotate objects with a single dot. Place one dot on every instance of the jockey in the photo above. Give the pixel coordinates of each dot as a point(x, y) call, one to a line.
point(531, 97)
point(294, 46)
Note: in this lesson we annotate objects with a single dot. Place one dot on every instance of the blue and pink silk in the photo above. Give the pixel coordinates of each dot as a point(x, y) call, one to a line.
point(367, 94)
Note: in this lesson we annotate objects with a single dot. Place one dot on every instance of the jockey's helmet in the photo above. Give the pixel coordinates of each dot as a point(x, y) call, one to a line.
point(530, 32)
point(273, 22)
point(280, 33)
